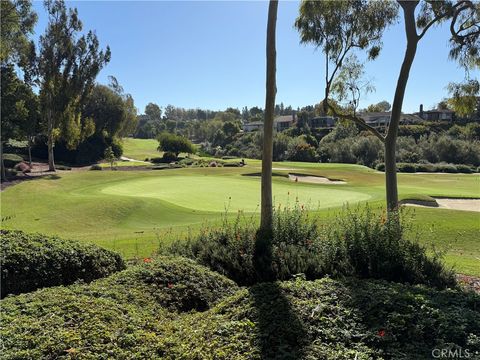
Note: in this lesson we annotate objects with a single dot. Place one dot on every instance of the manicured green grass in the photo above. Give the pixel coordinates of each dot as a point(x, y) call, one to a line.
point(120, 163)
point(134, 212)
point(214, 193)
point(140, 149)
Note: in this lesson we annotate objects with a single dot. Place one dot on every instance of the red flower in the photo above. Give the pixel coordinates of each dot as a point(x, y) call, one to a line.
point(170, 285)
point(147, 260)
point(381, 333)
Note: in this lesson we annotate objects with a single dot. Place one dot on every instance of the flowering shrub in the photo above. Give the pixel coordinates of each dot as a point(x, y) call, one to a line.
point(355, 242)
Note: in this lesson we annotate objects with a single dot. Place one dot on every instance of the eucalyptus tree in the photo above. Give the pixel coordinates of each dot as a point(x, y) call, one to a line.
point(340, 28)
point(266, 214)
point(18, 21)
point(465, 100)
point(153, 111)
point(67, 67)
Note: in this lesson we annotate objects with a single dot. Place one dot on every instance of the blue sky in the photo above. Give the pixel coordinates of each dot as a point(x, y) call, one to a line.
point(212, 55)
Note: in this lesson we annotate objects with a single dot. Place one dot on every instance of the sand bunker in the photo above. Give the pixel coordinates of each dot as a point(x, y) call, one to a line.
point(313, 179)
point(454, 204)
point(124, 158)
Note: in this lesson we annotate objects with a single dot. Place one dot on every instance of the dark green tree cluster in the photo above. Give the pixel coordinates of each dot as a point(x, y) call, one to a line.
point(19, 110)
point(72, 118)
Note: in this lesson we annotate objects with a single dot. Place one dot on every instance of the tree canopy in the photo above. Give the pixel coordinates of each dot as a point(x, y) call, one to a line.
point(342, 28)
point(175, 144)
point(153, 111)
point(68, 64)
point(18, 21)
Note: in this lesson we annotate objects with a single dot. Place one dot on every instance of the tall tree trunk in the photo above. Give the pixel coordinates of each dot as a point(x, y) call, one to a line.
point(51, 140)
point(2, 164)
point(266, 204)
point(391, 138)
point(51, 161)
point(30, 151)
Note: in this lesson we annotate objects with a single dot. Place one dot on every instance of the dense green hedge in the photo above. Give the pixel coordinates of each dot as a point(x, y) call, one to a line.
point(125, 316)
point(445, 168)
point(32, 261)
point(138, 314)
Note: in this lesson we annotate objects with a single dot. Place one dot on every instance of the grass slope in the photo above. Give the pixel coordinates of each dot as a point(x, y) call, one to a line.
point(172, 308)
point(140, 149)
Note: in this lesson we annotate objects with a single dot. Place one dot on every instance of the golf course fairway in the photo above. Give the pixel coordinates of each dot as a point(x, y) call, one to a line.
point(137, 211)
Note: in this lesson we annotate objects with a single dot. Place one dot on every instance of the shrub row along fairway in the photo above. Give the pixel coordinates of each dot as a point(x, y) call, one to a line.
point(135, 211)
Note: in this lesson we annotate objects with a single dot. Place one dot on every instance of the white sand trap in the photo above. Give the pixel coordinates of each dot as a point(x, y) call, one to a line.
point(454, 204)
point(124, 158)
point(282, 169)
point(314, 179)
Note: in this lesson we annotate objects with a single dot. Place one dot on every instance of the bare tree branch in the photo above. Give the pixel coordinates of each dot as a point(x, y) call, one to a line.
point(356, 120)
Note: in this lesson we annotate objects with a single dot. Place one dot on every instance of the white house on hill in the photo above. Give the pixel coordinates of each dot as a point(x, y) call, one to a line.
point(280, 123)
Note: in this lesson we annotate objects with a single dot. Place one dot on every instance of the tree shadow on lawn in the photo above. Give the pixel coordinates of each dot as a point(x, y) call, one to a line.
point(349, 317)
point(402, 321)
point(15, 180)
point(369, 318)
point(281, 332)
point(51, 177)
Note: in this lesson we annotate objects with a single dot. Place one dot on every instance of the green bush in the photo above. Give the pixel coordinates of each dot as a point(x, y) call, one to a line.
point(187, 161)
point(369, 245)
point(380, 167)
point(10, 160)
point(406, 167)
point(134, 315)
point(425, 167)
point(175, 144)
point(95, 167)
point(360, 243)
point(89, 151)
point(169, 156)
point(157, 160)
point(32, 261)
point(446, 168)
point(128, 315)
point(465, 169)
